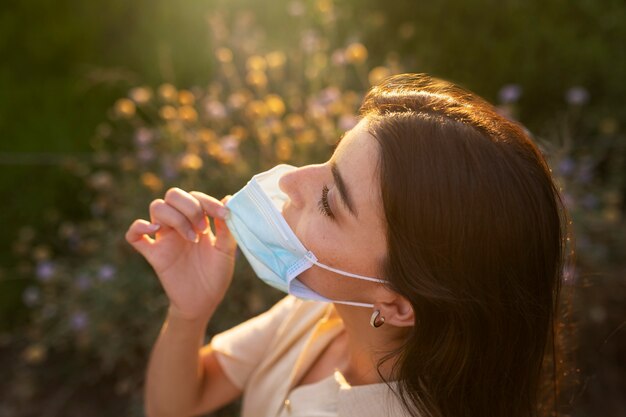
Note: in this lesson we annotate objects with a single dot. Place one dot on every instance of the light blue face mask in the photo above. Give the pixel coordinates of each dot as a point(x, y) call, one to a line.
point(272, 248)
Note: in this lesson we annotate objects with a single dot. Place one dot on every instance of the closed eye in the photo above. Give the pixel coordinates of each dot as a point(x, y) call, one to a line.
point(323, 205)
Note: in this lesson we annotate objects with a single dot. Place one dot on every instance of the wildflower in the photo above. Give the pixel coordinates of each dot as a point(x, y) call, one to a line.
point(101, 180)
point(125, 108)
point(406, 31)
point(79, 320)
point(186, 97)
point(378, 74)
point(256, 63)
point(338, 57)
point(347, 122)
point(283, 148)
point(168, 92)
point(140, 95)
point(510, 93)
point(31, 296)
point(206, 135)
point(224, 55)
point(275, 104)
point(310, 41)
point(106, 272)
point(45, 271)
point(82, 282)
point(296, 8)
point(257, 109)
point(356, 53)
point(566, 166)
point(143, 136)
point(146, 154)
point(191, 161)
point(577, 96)
point(275, 59)
point(324, 6)
point(295, 121)
point(608, 126)
point(215, 109)
point(188, 114)
point(34, 354)
point(256, 79)
point(168, 113)
point(151, 181)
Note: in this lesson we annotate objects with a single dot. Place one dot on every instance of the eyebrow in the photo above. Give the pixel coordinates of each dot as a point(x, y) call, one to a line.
point(343, 191)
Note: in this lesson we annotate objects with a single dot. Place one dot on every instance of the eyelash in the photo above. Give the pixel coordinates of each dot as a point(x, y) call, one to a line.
point(323, 205)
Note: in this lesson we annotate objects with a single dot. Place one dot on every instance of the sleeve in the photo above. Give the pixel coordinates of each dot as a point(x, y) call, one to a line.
point(240, 349)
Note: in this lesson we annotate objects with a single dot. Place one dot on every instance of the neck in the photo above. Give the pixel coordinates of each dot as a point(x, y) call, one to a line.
point(366, 346)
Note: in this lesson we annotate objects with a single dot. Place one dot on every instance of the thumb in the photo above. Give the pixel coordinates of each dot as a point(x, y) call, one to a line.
point(224, 240)
point(137, 235)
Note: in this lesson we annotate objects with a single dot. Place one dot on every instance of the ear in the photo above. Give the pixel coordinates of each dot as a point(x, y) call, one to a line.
point(397, 311)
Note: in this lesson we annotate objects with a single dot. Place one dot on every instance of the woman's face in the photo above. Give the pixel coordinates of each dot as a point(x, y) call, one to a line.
point(336, 210)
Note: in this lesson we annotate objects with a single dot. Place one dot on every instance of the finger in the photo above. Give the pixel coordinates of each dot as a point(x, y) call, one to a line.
point(189, 206)
point(166, 215)
point(224, 240)
point(211, 205)
point(137, 234)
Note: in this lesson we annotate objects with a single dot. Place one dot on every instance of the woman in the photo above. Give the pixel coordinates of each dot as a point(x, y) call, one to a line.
point(448, 213)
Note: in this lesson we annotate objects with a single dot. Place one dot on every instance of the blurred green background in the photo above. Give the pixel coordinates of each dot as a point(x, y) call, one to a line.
point(77, 164)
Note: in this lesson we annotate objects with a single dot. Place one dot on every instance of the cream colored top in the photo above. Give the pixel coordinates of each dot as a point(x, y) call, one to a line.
point(266, 355)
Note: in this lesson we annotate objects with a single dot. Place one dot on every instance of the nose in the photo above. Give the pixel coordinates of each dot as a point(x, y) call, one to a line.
point(298, 183)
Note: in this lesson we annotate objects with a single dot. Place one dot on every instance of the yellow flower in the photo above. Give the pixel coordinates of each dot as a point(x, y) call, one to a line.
point(324, 6)
point(151, 181)
point(224, 55)
point(257, 109)
point(275, 59)
point(125, 108)
point(34, 354)
point(378, 74)
point(191, 161)
point(214, 149)
point(168, 113)
point(295, 121)
point(186, 97)
point(256, 63)
point(256, 79)
point(239, 132)
point(356, 53)
point(284, 148)
point(206, 135)
point(140, 95)
point(188, 114)
point(168, 92)
point(275, 104)
point(306, 137)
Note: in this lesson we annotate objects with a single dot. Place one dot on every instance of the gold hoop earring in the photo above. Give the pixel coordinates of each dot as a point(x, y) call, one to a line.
point(374, 317)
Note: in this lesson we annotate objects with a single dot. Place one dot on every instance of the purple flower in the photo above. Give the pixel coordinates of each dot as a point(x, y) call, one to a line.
point(510, 93)
point(590, 201)
point(45, 270)
point(347, 122)
point(106, 272)
point(566, 166)
point(31, 296)
point(82, 282)
point(577, 96)
point(143, 136)
point(79, 320)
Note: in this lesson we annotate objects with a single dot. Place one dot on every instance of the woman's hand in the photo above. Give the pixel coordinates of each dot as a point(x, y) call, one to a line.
point(194, 265)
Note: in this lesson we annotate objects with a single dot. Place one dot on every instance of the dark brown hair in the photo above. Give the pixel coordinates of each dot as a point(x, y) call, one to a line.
point(476, 231)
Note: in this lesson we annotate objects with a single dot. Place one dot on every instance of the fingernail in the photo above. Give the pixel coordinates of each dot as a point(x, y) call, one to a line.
point(192, 236)
point(222, 212)
point(202, 226)
point(154, 227)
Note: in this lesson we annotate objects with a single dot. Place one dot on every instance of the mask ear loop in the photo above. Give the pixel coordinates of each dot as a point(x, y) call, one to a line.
point(311, 257)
